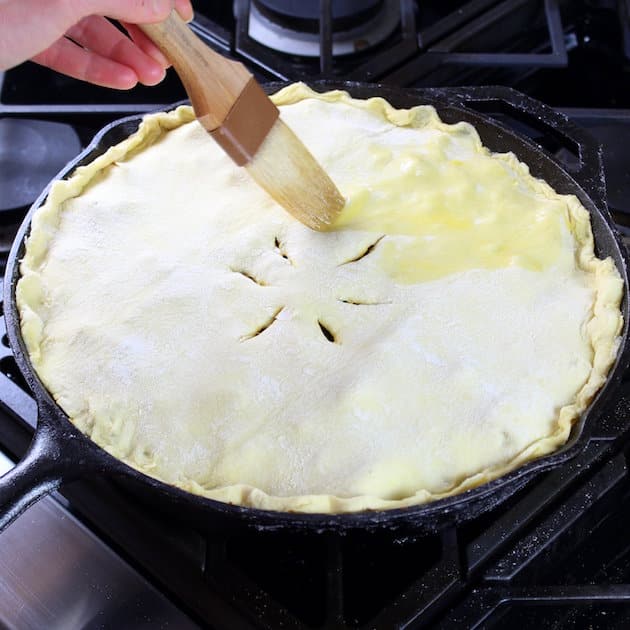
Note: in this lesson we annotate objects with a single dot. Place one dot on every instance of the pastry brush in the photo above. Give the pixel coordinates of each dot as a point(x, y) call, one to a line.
point(234, 109)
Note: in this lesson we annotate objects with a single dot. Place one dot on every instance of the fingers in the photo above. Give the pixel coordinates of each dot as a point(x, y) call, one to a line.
point(68, 58)
point(101, 37)
point(183, 7)
point(30, 26)
point(145, 44)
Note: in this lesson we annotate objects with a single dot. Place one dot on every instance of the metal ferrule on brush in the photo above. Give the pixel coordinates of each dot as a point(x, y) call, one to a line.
point(247, 124)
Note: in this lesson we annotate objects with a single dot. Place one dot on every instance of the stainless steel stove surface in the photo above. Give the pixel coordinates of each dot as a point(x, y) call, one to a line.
point(555, 555)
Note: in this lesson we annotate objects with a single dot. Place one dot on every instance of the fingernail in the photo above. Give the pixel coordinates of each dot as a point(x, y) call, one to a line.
point(126, 79)
point(154, 76)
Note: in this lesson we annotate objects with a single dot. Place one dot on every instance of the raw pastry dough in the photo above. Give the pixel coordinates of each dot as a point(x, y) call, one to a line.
point(452, 326)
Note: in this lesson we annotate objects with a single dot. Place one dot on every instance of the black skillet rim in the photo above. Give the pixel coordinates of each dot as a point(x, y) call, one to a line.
point(460, 506)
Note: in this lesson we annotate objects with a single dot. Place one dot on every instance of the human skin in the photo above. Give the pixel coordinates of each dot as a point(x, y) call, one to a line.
point(75, 37)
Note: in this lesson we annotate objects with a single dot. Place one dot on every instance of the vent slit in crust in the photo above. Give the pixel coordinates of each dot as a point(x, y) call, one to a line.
point(327, 332)
point(251, 277)
point(279, 245)
point(365, 252)
point(265, 326)
point(358, 302)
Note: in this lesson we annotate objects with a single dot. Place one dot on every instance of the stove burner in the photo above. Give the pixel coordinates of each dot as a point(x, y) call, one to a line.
point(305, 15)
point(32, 152)
point(293, 28)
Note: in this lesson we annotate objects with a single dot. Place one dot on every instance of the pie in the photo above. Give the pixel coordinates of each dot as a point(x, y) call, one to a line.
point(450, 327)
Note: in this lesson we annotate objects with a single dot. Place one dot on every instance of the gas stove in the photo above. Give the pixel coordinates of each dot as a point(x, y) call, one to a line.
point(555, 555)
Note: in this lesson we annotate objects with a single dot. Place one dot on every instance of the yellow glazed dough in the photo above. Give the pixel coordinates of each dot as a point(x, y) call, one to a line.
point(451, 327)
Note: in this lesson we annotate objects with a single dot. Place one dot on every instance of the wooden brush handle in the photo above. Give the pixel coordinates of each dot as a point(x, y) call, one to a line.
point(231, 105)
point(212, 82)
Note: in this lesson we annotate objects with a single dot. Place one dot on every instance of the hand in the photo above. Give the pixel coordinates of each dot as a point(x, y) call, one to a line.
point(73, 37)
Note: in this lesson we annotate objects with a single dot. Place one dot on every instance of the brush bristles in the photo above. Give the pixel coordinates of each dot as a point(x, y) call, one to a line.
point(284, 167)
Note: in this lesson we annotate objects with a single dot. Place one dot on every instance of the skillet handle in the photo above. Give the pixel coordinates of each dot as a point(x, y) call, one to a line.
point(39, 473)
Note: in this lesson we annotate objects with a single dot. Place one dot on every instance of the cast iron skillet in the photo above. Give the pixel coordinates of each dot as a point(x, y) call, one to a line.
point(59, 452)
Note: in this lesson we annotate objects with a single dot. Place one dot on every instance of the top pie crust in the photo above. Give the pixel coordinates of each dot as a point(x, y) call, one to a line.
point(451, 328)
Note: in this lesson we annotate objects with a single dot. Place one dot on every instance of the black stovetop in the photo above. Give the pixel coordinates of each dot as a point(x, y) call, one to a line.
point(555, 555)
